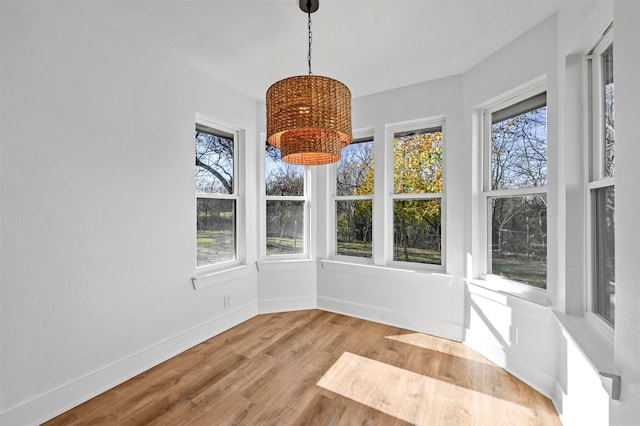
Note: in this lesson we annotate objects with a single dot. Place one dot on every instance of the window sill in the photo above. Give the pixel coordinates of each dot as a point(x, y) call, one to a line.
point(596, 349)
point(213, 277)
point(371, 269)
point(284, 264)
point(532, 295)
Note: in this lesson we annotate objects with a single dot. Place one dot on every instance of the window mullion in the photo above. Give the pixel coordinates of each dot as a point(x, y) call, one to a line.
point(421, 196)
point(517, 192)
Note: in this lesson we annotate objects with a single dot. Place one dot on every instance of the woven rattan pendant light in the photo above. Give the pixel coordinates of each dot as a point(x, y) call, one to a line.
point(309, 116)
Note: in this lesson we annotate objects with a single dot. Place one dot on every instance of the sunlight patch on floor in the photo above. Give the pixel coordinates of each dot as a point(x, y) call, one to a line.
point(369, 382)
point(426, 341)
point(395, 391)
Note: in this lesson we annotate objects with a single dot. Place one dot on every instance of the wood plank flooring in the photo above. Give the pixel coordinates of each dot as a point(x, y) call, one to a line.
point(319, 368)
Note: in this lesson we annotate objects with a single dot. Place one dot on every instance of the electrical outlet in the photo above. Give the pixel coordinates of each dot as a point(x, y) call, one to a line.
point(227, 300)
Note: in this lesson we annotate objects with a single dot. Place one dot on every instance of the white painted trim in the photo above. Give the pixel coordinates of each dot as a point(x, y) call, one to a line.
point(57, 401)
point(239, 190)
point(594, 346)
point(361, 135)
point(305, 199)
point(596, 103)
point(595, 170)
point(520, 93)
point(377, 270)
point(515, 95)
point(393, 318)
point(601, 183)
point(285, 264)
point(497, 287)
point(423, 196)
point(516, 192)
point(601, 326)
point(268, 306)
point(217, 277)
point(391, 130)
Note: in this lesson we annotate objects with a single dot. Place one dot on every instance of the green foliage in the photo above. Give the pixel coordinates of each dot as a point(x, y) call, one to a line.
point(417, 162)
point(417, 169)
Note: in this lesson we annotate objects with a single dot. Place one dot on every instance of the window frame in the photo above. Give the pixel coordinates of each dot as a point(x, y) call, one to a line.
point(264, 198)
point(390, 196)
point(595, 173)
point(236, 195)
point(360, 135)
point(503, 284)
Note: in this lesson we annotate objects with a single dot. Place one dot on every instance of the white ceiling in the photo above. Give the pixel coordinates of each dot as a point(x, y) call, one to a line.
point(370, 45)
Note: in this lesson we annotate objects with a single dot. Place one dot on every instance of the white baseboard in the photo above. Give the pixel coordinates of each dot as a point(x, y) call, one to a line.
point(520, 368)
point(268, 306)
point(409, 321)
point(59, 400)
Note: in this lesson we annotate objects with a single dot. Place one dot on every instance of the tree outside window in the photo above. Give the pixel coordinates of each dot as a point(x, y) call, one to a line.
point(417, 198)
point(285, 205)
point(215, 196)
point(354, 200)
point(516, 193)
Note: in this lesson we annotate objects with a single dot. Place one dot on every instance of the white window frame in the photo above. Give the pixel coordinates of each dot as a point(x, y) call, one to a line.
point(596, 176)
point(239, 255)
point(358, 135)
point(389, 197)
point(262, 184)
point(497, 282)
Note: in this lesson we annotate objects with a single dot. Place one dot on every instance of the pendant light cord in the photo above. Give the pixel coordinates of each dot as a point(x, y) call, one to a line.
point(310, 35)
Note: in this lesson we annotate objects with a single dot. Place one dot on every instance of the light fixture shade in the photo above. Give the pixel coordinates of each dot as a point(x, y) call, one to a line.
point(309, 119)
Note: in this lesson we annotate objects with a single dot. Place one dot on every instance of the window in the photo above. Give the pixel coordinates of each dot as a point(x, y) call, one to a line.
point(286, 206)
point(601, 185)
point(515, 189)
point(416, 202)
point(216, 195)
point(353, 200)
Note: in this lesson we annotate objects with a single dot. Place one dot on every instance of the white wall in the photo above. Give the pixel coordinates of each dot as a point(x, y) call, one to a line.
point(627, 334)
point(287, 286)
point(429, 302)
point(97, 208)
point(509, 331)
point(555, 348)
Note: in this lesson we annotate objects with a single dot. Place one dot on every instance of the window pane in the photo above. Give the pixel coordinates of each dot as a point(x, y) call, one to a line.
point(214, 163)
point(282, 178)
point(355, 169)
point(417, 231)
point(519, 150)
point(353, 228)
point(417, 162)
point(518, 246)
point(285, 227)
point(609, 113)
point(216, 231)
point(604, 254)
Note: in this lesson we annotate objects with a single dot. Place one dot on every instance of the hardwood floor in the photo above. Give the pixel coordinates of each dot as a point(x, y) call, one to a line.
point(319, 368)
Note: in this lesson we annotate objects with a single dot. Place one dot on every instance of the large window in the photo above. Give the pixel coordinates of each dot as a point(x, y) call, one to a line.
point(416, 201)
point(353, 200)
point(515, 190)
point(601, 185)
point(216, 195)
point(286, 210)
